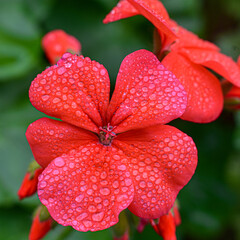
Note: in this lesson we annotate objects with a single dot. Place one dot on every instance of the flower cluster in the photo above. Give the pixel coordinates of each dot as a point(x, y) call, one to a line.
point(187, 56)
point(106, 154)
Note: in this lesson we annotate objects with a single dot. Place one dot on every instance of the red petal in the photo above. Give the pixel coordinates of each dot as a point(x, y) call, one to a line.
point(75, 90)
point(205, 98)
point(177, 216)
point(57, 42)
point(123, 10)
point(88, 188)
point(146, 93)
point(39, 229)
point(189, 39)
point(167, 227)
point(156, 13)
point(232, 98)
point(29, 184)
point(162, 160)
point(216, 61)
point(50, 138)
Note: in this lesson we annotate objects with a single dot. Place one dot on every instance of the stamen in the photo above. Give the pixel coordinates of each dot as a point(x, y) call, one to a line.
point(106, 134)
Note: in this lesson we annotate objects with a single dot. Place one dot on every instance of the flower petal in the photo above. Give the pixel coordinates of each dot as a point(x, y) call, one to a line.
point(205, 97)
point(57, 42)
point(189, 39)
point(156, 13)
point(87, 188)
point(123, 10)
point(153, 10)
point(162, 160)
point(50, 138)
point(216, 61)
point(146, 93)
point(75, 90)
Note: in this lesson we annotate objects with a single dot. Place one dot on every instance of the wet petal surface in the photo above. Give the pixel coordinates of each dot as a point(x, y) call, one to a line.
point(124, 9)
point(146, 93)
point(50, 138)
point(153, 10)
point(162, 160)
point(87, 188)
point(156, 13)
point(189, 39)
point(75, 90)
point(216, 61)
point(205, 98)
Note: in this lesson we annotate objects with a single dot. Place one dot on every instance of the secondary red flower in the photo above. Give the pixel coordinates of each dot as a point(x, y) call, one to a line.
point(187, 58)
point(57, 42)
point(232, 97)
point(41, 225)
point(153, 10)
point(166, 224)
point(105, 157)
point(30, 181)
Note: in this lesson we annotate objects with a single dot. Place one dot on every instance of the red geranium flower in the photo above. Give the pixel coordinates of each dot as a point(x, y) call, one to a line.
point(232, 98)
point(166, 224)
point(57, 42)
point(104, 157)
point(187, 58)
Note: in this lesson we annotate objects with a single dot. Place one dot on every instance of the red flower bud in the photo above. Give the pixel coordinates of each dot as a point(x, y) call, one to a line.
point(30, 181)
point(167, 227)
point(57, 42)
point(41, 225)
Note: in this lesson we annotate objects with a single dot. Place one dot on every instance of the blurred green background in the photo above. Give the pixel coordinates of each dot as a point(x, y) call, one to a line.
point(210, 203)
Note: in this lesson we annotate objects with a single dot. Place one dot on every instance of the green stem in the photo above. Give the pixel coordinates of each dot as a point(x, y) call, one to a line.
point(65, 233)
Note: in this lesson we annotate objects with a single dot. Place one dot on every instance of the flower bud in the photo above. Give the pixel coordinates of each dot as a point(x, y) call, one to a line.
point(30, 180)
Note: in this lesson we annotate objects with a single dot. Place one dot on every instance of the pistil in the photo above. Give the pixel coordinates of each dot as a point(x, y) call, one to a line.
point(106, 134)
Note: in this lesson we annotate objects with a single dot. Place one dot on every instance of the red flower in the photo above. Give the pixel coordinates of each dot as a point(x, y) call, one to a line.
point(41, 225)
point(232, 98)
point(30, 181)
point(187, 59)
point(166, 224)
point(153, 10)
point(57, 42)
point(105, 157)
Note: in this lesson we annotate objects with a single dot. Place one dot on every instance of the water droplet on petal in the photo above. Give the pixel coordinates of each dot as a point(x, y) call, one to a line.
point(59, 162)
point(104, 191)
point(79, 198)
point(98, 216)
point(45, 97)
point(61, 70)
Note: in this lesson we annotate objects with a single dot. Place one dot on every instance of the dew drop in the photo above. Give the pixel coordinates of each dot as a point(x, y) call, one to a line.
point(81, 216)
point(79, 198)
point(56, 100)
point(122, 197)
point(45, 97)
point(102, 72)
point(87, 223)
point(98, 216)
point(61, 70)
point(59, 162)
point(122, 167)
point(43, 184)
point(104, 191)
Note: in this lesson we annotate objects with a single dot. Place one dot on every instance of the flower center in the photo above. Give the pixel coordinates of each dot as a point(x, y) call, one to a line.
point(106, 134)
